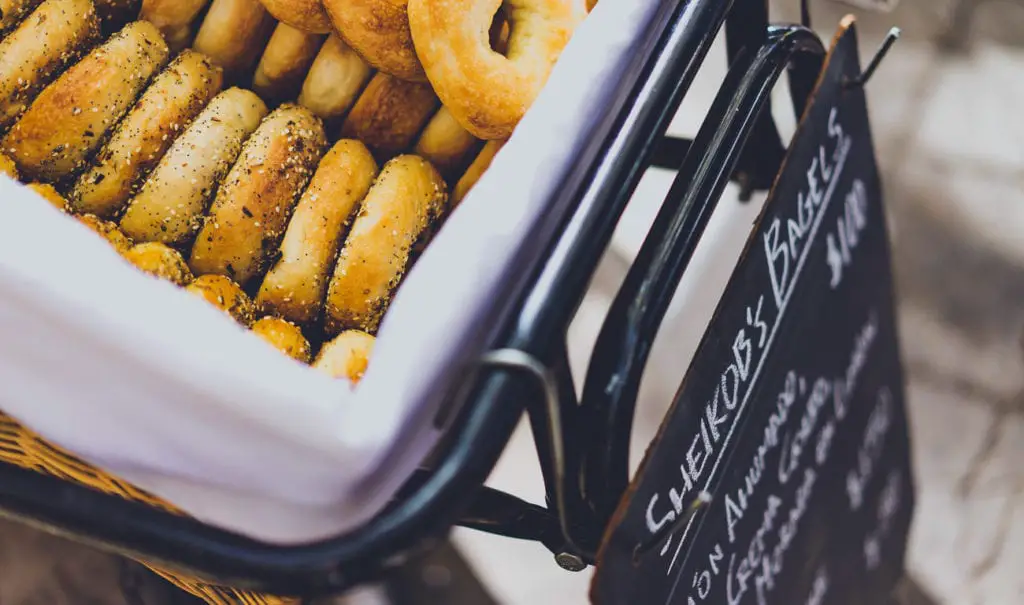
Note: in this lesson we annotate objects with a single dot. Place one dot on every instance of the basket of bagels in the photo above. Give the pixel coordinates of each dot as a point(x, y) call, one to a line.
point(246, 244)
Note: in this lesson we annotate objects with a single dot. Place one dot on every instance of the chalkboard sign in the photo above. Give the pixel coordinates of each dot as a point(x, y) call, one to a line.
point(792, 414)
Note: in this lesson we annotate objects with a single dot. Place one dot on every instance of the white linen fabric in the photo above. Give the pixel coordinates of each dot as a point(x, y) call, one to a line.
point(144, 380)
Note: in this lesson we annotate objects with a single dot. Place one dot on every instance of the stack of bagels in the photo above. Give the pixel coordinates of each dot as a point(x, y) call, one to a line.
point(285, 160)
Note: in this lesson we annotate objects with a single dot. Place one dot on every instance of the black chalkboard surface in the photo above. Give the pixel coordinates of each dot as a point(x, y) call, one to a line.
point(792, 413)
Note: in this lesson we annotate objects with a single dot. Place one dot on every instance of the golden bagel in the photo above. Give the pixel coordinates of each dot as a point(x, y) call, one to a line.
point(487, 92)
point(379, 31)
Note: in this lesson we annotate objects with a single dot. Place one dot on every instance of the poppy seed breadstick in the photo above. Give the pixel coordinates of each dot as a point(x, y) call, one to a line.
point(174, 18)
point(13, 11)
point(285, 62)
point(347, 356)
point(251, 209)
point(171, 201)
point(52, 37)
point(296, 285)
point(408, 195)
point(224, 294)
point(334, 81)
point(389, 114)
point(285, 337)
point(69, 120)
point(233, 34)
point(163, 112)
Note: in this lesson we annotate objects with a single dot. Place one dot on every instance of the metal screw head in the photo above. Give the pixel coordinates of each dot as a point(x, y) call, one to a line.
point(570, 562)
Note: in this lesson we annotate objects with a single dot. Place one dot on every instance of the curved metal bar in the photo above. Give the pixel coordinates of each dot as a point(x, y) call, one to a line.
point(625, 340)
point(583, 216)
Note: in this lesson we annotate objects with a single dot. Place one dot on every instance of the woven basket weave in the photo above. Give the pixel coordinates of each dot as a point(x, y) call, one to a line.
point(21, 447)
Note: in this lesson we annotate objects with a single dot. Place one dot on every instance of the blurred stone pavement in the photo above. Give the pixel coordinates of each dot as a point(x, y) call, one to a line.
point(946, 109)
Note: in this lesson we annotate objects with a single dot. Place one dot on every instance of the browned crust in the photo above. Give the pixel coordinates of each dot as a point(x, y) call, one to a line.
point(47, 41)
point(284, 336)
point(70, 119)
point(334, 81)
point(347, 356)
point(51, 195)
point(160, 261)
point(233, 33)
point(163, 112)
point(295, 287)
point(487, 92)
point(306, 15)
point(252, 206)
point(476, 170)
point(8, 167)
point(13, 11)
point(408, 195)
point(389, 114)
point(379, 31)
point(226, 295)
point(285, 62)
point(169, 205)
point(108, 231)
point(174, 18)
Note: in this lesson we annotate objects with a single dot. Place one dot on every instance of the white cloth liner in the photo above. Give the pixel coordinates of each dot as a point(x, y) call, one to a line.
point(141, 379)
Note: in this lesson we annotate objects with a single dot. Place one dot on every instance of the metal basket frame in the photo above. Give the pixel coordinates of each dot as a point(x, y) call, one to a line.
point(583, 444)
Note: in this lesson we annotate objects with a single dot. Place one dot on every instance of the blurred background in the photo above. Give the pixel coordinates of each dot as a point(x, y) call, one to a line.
point(946, 109)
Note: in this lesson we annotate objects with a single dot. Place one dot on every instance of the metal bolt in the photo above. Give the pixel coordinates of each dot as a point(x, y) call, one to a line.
point(570, 562)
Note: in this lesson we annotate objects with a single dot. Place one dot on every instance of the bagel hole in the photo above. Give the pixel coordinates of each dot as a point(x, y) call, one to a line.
point(500, 32)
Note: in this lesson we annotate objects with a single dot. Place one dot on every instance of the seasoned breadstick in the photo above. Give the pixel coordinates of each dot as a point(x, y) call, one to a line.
point(53, 36)
point(108, 231)
point(445, 143)
point(252, 206)
point(476, 170)
point(334, 80)
point(233, 33)
point(161, 261)
point(224, 294)
point(48, 193)
point(295, 287)
point(408, 195)
point(285, 62)
point(7, 167)
point(174, 99)
point(389, 114)
point(171, 202)
point(174, 18)
point(285, 337)
point(347, 356)
point(12, 12)
point(72, 116)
